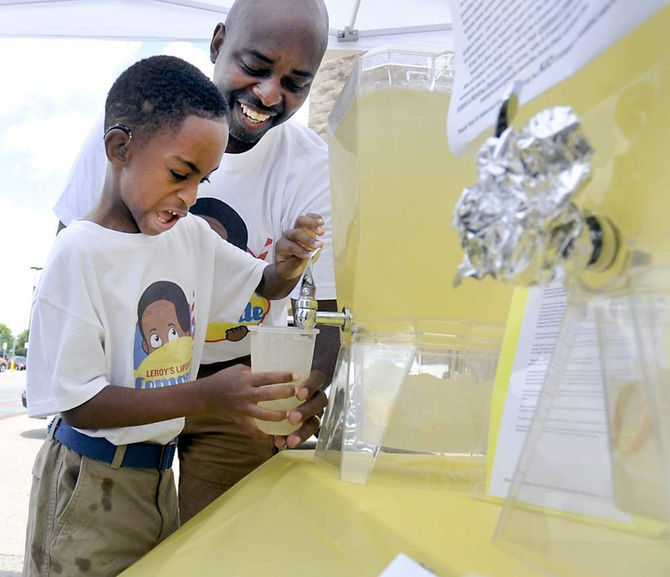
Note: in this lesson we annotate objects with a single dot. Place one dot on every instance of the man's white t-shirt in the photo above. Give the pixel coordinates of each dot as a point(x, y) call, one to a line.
point(264, 190)
point(129, 310)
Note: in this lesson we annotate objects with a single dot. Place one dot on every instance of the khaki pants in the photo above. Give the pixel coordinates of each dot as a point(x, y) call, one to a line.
point(214, 454)
point(91, 520)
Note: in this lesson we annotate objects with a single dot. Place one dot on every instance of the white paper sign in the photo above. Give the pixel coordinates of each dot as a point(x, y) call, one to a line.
point(403, 566)
point(533, 42)
point(576, 429)
point(545, 310)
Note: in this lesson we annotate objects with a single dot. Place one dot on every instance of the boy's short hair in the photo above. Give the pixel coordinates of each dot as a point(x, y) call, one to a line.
point(159, 93)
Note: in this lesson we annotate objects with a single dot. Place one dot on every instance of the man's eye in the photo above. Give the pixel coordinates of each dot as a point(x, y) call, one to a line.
point(251, 70)
point(178, 176)
point(294, 86)
point(204, 180)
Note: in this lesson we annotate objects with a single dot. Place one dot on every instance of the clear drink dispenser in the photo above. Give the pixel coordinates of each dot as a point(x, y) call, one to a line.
point(418, 358)
point(591, 493)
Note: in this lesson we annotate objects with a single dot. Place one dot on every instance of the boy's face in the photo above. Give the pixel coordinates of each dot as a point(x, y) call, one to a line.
point(264, 68)
point(158, 181)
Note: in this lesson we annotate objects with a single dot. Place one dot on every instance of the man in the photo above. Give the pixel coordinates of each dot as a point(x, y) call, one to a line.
point(265, 59)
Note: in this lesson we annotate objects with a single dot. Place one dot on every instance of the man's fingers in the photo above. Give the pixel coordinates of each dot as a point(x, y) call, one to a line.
point(311, 385)
point(308, 428)
point(279, 441)
point(311, 408)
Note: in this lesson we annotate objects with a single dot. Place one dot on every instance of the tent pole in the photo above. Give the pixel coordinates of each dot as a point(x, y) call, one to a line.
point(354, 15)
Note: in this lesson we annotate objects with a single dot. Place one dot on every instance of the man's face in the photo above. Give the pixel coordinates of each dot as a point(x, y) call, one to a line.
point(264, 67)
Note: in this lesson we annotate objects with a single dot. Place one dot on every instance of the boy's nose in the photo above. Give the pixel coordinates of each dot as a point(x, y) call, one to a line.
point(188, 195)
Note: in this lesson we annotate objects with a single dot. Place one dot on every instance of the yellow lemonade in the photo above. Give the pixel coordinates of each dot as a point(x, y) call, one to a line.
point(395, 184)
point(395, 181)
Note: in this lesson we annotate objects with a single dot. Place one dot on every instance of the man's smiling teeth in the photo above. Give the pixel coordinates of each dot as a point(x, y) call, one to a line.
point(253, 115)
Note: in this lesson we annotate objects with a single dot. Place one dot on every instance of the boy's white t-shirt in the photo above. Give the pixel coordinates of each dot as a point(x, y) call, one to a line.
point(129, 310)
point(265, 189)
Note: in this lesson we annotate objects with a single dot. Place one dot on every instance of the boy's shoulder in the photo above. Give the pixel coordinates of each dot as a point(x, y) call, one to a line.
point(75, 238)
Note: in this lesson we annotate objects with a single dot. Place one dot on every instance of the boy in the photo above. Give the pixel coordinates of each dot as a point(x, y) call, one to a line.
point(265, 58)
point(103, 491)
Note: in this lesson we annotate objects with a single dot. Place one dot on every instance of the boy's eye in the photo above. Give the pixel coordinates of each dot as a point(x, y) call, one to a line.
point(155, 341)
point(178, 176)
point(172, 334)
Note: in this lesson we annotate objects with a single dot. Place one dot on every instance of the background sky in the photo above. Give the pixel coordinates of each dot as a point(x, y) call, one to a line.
point(51, 92)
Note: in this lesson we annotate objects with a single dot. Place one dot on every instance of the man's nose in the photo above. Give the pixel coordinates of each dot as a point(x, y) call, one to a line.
point(268, 91)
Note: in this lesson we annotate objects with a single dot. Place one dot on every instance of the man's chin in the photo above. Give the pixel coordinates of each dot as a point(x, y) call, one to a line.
point(247, 138)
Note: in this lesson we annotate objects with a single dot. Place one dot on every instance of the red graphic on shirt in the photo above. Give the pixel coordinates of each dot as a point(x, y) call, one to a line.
point(264, 254)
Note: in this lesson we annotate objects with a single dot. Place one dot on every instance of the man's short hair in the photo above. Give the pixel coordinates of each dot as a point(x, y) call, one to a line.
point(159, 93)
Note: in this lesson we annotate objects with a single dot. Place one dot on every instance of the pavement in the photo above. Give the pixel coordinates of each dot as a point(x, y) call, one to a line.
point(21, 438)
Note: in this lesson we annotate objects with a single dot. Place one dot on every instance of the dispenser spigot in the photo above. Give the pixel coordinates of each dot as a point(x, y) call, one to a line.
point(306, 314)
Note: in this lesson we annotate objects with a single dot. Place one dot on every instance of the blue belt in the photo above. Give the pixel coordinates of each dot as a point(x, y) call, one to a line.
point(138, 455)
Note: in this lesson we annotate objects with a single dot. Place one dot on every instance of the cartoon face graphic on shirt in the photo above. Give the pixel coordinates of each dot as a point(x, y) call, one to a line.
point(229, 225)
point(160, 325)
point(164, 335)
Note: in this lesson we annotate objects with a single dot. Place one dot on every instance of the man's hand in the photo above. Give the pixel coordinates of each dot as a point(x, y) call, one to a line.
point(308, 413)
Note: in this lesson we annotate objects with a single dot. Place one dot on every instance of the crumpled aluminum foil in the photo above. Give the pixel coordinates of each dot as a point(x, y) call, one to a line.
point(518, 222)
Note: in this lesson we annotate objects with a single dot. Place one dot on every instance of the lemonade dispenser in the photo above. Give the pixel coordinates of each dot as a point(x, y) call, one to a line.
point(418, 356)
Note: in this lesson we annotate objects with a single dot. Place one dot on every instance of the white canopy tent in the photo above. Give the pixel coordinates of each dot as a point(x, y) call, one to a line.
point(53, 91)
point(354, 24)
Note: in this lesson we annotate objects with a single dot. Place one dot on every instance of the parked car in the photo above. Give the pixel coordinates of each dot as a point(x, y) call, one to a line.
point(19, 363)
point(4, 364)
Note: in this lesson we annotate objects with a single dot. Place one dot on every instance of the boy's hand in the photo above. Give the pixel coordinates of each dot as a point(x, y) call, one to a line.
point(309, 413)
point(235, 392)
point(296, 246)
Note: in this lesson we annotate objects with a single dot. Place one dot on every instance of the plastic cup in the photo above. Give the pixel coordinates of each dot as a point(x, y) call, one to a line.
point(281, 349)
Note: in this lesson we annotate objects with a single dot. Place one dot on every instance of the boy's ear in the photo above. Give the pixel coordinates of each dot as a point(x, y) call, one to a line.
point(117, 143)
point(217, 42)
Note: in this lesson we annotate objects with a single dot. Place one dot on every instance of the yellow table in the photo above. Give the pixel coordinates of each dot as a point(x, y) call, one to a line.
point(294, 517)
